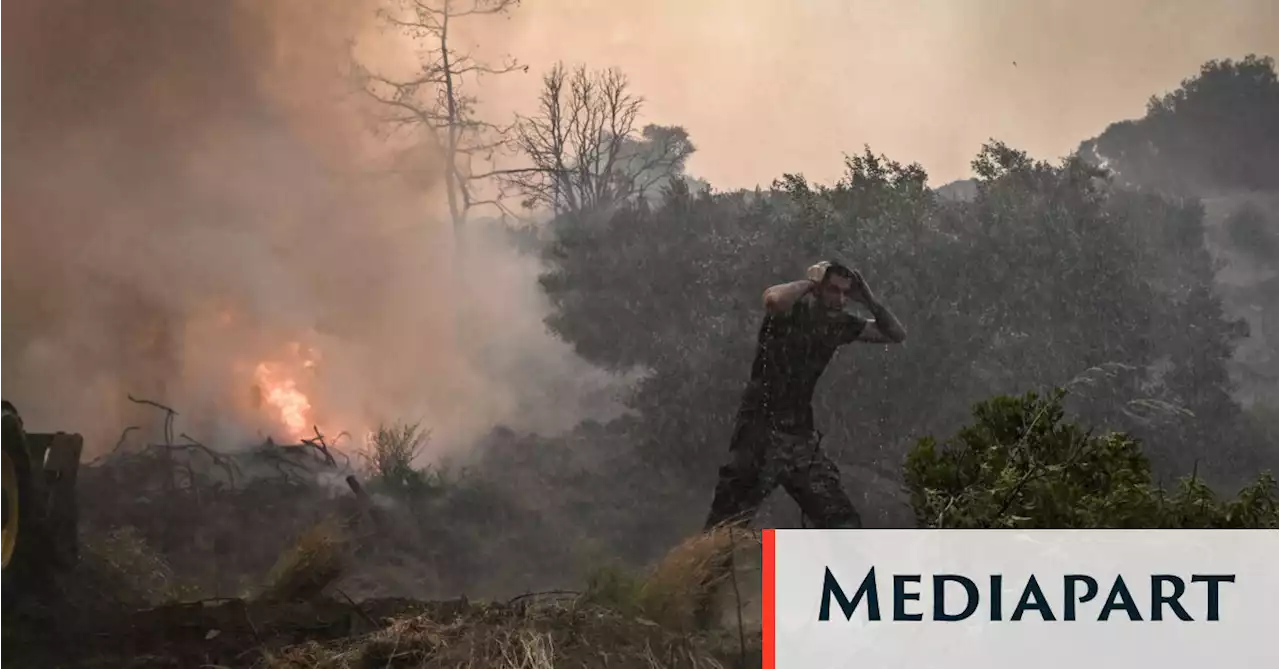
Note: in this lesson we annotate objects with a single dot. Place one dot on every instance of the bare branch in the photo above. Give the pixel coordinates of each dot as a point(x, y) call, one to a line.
point(583, 147)
point(435, 101)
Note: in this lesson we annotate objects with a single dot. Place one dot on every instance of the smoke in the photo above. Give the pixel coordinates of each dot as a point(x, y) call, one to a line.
point(189, 193)
point(187, 185)
point(767, 87)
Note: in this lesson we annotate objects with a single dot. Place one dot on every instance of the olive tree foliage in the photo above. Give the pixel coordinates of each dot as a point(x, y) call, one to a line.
point(585, 148)
point(1216, 132)
point(1019, 464)
point(1252, 231)
point(1041, 280)
point(1212, 137)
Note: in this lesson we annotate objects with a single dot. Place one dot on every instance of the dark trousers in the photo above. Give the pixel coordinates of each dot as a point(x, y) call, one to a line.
point(762, 458)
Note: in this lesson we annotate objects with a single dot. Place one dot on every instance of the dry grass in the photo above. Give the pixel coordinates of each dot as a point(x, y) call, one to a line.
point(318, 559)
point(691, 574)
point(119, 567)
point(514, 638)
point(395, 448)
point(678, 591)
point(646, 621)
point(628, 620)
point(128, 557)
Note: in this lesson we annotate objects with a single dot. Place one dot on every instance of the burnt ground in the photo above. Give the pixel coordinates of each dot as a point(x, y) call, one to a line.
point(325, 631)
point(230, 633)
point(182, 565)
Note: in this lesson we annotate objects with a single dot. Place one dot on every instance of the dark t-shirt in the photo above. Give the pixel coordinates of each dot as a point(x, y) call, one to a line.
point(792, 352)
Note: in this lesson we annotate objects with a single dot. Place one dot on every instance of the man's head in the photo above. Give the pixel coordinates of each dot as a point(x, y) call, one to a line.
point(836, 288)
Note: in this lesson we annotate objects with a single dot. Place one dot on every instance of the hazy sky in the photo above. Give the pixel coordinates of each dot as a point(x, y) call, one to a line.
point(766, 86)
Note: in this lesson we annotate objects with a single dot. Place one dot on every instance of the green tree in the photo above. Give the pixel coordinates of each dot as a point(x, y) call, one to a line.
point(1039, 278)
point(1215, 132)
point(1253, 233)
point(1212, 137)
point(1020, 464)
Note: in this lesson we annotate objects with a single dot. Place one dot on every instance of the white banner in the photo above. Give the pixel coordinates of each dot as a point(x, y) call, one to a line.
point(1092, 599)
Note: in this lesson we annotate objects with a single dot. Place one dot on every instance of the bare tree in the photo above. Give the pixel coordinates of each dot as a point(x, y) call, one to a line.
point(584, 148)
point(433, 101)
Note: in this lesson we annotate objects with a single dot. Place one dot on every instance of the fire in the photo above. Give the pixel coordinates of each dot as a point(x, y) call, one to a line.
point(281, 392)
point(281, 375)
point(277, 386)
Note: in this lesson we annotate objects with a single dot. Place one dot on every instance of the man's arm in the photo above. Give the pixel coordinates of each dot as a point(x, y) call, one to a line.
point(884, 328)
point(781, 298)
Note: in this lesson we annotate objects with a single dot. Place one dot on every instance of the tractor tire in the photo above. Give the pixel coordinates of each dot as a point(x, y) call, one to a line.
point(21, 517)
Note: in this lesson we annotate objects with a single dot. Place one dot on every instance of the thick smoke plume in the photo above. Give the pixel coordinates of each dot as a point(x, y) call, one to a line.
point(193, 215)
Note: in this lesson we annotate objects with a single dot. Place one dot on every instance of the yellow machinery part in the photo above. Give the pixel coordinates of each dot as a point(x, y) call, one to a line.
point(11, 511)
point(40, 515)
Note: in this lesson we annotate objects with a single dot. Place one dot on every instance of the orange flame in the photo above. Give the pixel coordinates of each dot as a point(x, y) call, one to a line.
point(291, 405)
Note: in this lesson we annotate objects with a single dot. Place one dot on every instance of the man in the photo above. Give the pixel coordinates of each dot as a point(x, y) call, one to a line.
point(774, 441)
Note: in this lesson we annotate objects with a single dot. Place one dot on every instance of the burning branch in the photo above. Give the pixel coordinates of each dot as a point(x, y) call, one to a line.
point(160, 459)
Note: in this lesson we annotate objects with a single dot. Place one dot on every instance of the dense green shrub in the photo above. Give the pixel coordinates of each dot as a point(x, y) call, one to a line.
point(1019, 464)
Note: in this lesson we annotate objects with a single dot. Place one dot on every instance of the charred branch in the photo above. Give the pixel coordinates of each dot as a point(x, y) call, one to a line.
point(583, 143)
point(433, 103)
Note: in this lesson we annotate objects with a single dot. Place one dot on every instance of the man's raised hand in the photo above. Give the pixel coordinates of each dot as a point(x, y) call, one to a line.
point(860, 291)
point(818, 271)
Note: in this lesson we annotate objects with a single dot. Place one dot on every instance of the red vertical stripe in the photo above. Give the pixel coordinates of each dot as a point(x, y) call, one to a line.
point(768, 592)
